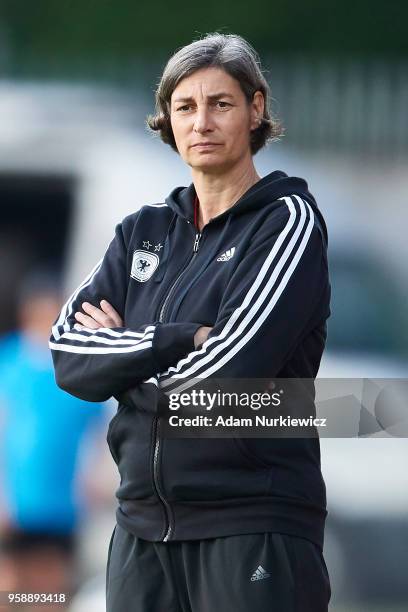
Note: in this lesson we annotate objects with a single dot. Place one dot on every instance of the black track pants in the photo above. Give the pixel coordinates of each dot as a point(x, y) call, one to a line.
point(266, 572)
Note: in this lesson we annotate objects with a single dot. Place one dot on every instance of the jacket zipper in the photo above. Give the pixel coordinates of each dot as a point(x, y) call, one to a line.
point(157, 445)
point(157, 482)
point(171, 290)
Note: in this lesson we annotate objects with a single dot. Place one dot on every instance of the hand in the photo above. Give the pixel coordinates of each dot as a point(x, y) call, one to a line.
point(201, 335)
point(106, 316)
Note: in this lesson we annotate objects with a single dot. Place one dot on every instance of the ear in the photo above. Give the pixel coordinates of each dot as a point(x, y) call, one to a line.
point(257, 109)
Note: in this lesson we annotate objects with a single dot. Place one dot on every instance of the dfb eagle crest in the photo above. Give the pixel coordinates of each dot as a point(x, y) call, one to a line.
point(143, 265)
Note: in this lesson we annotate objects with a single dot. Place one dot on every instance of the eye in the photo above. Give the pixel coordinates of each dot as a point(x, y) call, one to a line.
point(186, 107)
point(223, 104)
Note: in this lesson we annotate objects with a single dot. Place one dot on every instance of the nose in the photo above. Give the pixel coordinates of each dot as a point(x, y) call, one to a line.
point(202, 120)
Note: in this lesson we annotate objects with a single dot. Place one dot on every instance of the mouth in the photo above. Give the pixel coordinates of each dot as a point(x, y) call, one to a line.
point(205, 145)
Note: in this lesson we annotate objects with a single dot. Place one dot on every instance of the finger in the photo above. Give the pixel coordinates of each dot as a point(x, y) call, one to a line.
point(98, 315)
point(200, 336)
point(87, 321)
point(112, 313)
point(206, 331)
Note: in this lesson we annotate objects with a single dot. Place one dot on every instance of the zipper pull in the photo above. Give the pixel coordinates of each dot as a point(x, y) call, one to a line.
point(196, 242)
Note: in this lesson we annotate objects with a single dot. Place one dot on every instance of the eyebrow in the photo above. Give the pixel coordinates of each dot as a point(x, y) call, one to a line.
point(211, 97)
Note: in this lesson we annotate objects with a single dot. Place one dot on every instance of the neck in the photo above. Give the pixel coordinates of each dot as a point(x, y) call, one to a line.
point(218, 192)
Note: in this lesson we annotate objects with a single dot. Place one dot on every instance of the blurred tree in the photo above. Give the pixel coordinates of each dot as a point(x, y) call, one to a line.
point(68, 33)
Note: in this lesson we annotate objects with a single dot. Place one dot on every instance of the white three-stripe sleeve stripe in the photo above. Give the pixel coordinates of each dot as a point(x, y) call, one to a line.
point(61, 324)
point(291, 255)
point(102, 340)
point(125, 334)
point(69, 338)
point(98, 350)
point(69, 342)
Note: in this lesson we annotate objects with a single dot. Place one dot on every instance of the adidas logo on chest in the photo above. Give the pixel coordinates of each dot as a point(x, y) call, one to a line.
point(229, 254)
point(259, 574)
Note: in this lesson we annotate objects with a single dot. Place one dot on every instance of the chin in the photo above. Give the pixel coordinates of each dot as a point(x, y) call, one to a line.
point(214, 168)
point(209, 162)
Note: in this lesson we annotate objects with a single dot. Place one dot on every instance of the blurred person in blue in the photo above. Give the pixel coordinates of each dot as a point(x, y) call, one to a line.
point(41, 431)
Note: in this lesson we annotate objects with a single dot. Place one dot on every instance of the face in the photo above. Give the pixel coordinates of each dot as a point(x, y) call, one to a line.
point(212, 119)
point(37, 314)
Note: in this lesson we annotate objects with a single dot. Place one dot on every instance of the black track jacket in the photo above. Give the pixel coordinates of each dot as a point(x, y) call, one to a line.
point(258, 275)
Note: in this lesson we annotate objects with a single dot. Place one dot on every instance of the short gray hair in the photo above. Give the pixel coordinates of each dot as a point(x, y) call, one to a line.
point(239, 59)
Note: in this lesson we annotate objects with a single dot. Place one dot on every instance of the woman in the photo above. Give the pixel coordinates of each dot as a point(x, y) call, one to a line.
point(226, 278)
